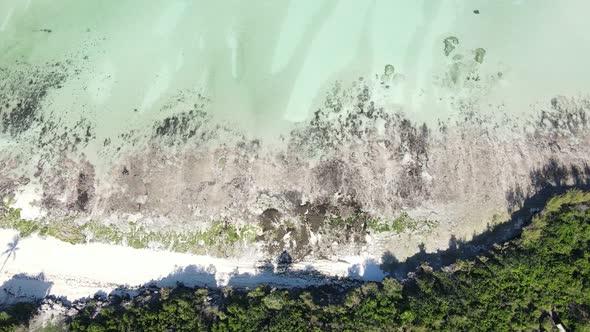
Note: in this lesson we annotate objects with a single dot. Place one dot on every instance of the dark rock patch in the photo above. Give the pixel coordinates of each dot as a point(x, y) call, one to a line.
point(23, 90)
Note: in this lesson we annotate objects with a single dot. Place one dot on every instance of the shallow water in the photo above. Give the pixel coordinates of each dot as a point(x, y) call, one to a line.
point(266, 62)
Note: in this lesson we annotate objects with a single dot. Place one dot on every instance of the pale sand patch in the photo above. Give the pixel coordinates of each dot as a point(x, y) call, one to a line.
point(77, 271)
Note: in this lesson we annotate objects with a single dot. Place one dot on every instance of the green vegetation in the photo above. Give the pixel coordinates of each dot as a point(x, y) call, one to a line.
point(401, 224)
point(216, 237)
point(509, 288)
point(16, 316)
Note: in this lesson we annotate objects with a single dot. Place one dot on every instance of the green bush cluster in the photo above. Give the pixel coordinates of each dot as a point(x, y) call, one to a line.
point(401, 224)
point(508, 289)
point(217, 236)
point(16, 316)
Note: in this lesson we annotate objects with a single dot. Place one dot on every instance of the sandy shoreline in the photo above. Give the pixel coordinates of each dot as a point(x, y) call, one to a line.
point(78, 271)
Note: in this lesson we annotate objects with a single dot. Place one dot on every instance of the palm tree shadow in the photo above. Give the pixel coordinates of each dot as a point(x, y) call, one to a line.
point(11, 249)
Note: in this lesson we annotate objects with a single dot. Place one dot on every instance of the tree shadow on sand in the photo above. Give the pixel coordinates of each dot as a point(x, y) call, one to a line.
point(24, 288)
point(20, 299)
point(11, 249)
